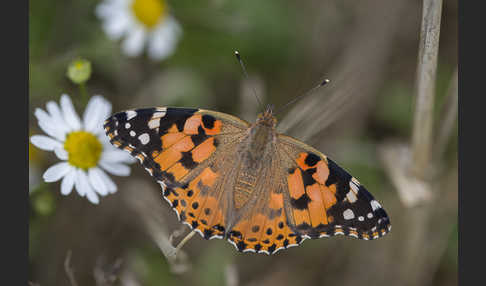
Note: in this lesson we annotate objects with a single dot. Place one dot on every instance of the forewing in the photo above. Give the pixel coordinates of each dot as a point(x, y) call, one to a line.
point(182, 149)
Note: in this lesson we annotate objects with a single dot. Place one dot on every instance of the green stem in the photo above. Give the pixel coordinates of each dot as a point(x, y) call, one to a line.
point(84, 94)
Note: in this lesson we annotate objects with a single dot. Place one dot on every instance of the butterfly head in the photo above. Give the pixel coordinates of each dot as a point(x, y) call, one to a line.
point(266, 117)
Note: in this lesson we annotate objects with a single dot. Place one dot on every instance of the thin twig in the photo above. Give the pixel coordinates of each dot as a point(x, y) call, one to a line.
point(69, 271)
point(425, 87)
point(106, 275)
point(231, 275)
point(181, 243)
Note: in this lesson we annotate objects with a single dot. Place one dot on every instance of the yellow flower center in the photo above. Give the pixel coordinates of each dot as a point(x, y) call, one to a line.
point(83, 148)
point(149, 12)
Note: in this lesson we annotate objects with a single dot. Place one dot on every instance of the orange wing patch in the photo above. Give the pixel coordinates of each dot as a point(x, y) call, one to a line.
point(197, 206)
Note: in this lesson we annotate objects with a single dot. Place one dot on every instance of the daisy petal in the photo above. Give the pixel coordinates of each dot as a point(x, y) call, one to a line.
point(92, 196)
point(56, 116)
point(81, 182)
point(115, 168)
point(133, 43)
point(49, 126)
point(56, 172)
point(117, 25)
point(70, 115)
point(108, 8)
point(97, 181)
point(104, 10)
point(42, 116)
point(116, 156)
point(68, 182)
point(96, 112)
point(45, 143)
point(61, 153)
point(163, 40)
point(110, 185)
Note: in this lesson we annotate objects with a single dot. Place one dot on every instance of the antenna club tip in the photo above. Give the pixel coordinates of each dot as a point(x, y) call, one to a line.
point(237, 54)
point(326, 81)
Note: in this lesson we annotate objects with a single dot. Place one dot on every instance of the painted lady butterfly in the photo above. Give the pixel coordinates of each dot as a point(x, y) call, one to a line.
point(227, 178)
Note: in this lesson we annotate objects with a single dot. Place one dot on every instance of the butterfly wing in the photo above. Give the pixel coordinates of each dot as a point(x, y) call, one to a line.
point(183, 149)
point(305, 195)
point(325, 200)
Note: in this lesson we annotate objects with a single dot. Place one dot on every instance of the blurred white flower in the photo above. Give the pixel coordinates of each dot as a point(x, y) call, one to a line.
point(82, 146)
point(141, 22)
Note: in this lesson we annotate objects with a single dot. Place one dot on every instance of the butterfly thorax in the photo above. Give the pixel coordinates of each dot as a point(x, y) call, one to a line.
point(255, 153)
point(262, 135)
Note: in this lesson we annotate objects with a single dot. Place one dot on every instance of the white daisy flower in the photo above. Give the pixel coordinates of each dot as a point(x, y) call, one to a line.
point(141, 22)
point(82, 145)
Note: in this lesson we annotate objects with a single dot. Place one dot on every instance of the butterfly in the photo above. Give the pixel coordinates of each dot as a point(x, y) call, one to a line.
point(261, 190)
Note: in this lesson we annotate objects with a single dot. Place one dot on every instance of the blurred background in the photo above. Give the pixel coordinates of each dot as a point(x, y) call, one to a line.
point(361, 119)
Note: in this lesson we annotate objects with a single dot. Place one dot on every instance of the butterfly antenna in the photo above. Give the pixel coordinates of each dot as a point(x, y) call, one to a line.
point(238, 57)
point(323, 83)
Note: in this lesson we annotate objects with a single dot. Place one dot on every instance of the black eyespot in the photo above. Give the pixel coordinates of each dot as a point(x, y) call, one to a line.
point(311, 159)
point(208, 121)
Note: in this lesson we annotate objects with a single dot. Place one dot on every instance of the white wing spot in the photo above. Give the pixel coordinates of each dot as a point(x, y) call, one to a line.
point(160, 112)
point(354, 185)
point(348, 214)
point(131, 114)
point(370, 215)
point(375, 205)
point(351, 196)
point(144, 138)
point(361, 218)
point(154, 123)
point(132, 133)
point(127, 125)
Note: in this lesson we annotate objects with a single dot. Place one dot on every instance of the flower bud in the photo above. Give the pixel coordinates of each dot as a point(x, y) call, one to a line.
point(79, 71)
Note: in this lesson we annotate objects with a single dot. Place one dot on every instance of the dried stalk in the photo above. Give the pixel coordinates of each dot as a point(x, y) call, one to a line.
point(414, 189)
point(231, 275)
point(396, 160)
point(106, 275)
point(425, 87)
